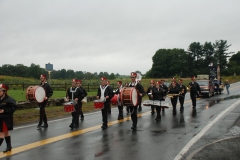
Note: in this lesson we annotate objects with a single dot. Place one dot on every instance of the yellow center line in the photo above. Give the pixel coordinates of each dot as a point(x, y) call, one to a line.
point(69, 135)
point(64, 136)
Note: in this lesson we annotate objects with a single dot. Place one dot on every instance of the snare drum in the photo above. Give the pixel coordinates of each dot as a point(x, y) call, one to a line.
point(148, 103)
point(35, 93)
point(114, 100)
point(98, 104)
point(129, 96)
point(69, 107)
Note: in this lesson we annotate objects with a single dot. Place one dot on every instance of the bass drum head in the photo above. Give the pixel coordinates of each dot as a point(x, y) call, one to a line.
point(134, 97)
point(40, 94)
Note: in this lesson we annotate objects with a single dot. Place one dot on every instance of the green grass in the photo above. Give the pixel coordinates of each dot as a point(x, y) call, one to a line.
point(20, 95)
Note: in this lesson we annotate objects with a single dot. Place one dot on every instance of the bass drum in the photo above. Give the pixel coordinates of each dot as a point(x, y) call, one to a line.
point(129, 96)
point(35, 93)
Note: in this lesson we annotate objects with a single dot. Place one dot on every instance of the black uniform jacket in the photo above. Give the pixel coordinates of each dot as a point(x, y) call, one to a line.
point(165, 88)
point(182, 89)
point(108, 92)
point(48, 89)
point(158, 93)
point(76, 93)
point(8, 104)
point(149, 90)
point(174, 90)
point(82, 94)
point(194, 87)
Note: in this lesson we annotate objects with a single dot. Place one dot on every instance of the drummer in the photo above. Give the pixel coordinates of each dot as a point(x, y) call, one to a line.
point(149, 92)
point(120, 106)
point(49, 93)
point(158, 94)
point(111, 90)
point(133, 109)
point(104, 93)
point(73, 93)
point(83, 94)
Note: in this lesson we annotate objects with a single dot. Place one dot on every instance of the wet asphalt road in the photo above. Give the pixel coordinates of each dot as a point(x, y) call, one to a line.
point(175, 137)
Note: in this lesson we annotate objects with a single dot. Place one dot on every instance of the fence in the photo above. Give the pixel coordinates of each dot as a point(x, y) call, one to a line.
point(88, 87)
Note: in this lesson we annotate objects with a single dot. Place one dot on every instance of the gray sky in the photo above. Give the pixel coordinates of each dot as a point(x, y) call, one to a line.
point(116, 36)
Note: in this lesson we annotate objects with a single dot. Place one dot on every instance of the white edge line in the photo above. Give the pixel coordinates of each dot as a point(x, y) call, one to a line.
point(203, 131)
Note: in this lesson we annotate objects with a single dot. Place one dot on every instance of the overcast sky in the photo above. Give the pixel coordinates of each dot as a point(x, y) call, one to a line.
point(114, 36)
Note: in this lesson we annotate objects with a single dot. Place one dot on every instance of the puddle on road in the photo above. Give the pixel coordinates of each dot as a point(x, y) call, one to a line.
point(212, 102)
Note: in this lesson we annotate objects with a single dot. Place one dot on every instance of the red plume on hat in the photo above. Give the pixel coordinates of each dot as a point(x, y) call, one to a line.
point(43, 76)
point(158, 82)
point(133, 74)
point(119, 82)
point(180, 80)
point(78, 81)
point(74, 80)
point(193, 77)
point(152, 81)
point(173, 82)
point(3, 87)
point(103, 79)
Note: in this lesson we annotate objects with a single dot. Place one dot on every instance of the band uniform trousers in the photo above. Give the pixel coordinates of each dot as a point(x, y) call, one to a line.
point(193, 97)
point(43, 117)
point(133, 110)
point(140, 102)
point(105, 113)
point(75, 115)
point(174, 103)
point(120, 109)
point(181, 101)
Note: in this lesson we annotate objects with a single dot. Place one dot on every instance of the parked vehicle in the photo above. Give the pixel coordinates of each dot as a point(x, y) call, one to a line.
point(207, 87)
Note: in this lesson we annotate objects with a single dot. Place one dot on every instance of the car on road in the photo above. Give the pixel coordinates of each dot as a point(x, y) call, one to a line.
point(206, 87)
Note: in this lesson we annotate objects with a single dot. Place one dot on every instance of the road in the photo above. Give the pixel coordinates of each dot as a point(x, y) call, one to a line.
point(183, 136)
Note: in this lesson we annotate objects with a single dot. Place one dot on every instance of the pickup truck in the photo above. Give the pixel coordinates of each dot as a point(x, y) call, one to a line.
point(206, 87)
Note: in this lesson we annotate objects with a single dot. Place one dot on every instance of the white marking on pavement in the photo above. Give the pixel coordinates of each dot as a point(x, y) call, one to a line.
point(203, 131)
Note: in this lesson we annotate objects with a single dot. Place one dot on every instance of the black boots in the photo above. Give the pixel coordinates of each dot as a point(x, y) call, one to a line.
point(8, 142)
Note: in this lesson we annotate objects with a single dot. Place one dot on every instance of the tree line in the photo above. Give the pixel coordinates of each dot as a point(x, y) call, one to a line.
point(34, 71)
point(194, 61)
point(166, 63)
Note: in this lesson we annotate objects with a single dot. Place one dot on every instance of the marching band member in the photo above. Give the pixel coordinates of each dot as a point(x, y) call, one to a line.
point(174, 90)
point(174, 80)
point(127, 108)
point(139, 100)
point(120, 106)
point(111, 90)
point(149, 92)
point(83, 94)
point(133, 109)
point(49, 93)
point(158, 94)
point(183, 91)
point(165, 88)
point(7, 108)
point(73, 93)
point(194, 89)
point(104, 92)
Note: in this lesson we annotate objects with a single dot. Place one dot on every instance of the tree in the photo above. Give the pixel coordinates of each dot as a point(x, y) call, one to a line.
point(112, 76)
point(221, 54)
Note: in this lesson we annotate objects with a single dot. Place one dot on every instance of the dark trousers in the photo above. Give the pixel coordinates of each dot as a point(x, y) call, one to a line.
point(120, 109)
point(133, 111)
point(181, 100)
point(193, 97)
point(174, 103)
point(75, 115)
point(152, 108)
point(42, 113)
point(80, 110)
point(127, 109)
point(158, 109)
point(105, 113)
point(139, 102)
